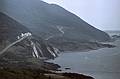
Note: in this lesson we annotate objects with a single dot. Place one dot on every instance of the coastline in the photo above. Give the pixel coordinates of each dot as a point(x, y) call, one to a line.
point(21, 73)
point(43, 69)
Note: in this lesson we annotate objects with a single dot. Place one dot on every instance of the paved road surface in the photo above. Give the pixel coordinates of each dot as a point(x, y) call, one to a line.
point(5, 49)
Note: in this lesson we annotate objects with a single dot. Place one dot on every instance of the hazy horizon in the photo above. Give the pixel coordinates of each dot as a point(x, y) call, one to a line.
point(102, 14)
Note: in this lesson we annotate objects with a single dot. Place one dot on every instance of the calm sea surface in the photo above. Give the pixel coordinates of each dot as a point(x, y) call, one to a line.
point(100, 64)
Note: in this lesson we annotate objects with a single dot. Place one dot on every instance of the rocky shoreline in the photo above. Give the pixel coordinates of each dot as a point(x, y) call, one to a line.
point(34, 70)
point(11, 73)
point(81, 46)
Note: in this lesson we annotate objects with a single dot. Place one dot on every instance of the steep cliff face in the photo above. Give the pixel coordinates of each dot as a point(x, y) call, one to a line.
point(22, 44)
point(51, 21)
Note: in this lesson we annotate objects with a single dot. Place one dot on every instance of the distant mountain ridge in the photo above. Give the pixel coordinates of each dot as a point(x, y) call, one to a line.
point(43, 18)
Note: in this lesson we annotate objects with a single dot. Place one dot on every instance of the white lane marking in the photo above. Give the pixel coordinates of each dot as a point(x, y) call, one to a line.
point(51, 52)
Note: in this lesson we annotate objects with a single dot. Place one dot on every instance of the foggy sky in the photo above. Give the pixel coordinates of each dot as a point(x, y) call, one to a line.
point(102, 14)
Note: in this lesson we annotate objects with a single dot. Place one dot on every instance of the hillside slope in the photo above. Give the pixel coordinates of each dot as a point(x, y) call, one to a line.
point(30, 49)
point(51, 21)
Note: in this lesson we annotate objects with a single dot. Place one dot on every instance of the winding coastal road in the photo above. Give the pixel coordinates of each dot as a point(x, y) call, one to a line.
point(36, 48)
point(19, 40)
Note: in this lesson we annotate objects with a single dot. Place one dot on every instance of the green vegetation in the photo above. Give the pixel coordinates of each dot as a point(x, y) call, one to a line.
point(9, 73)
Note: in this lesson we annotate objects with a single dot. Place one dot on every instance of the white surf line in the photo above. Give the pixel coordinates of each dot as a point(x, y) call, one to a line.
point(35, 50)
point(40, 50)
point(5, 49)
point(33, 54)
point(32, 44)
point(51, 52)
point(60, 28)
point(56, 50)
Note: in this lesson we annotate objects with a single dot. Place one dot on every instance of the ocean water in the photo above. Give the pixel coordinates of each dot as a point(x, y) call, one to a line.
point(113, 32)
point(100, 64)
